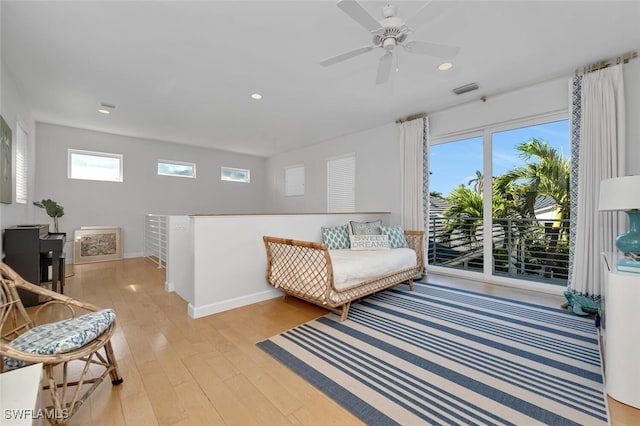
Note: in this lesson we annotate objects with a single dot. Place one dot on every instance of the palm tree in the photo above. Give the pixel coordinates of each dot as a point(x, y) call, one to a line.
point(514, 194)
point(466, 211)
point(465, 214)
point(478, 182)
point(549, 176)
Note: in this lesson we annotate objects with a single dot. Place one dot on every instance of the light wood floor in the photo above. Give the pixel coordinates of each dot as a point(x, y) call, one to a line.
point(180, 371)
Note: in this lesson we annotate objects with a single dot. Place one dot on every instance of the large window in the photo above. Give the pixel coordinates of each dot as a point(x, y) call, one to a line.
point(341, 184)
point(176, 168)
point(531, 206)
point(499, 201)
point(95, 166)
point(455, 232)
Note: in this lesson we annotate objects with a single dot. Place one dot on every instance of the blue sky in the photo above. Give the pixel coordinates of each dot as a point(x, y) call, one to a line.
point(452, 164)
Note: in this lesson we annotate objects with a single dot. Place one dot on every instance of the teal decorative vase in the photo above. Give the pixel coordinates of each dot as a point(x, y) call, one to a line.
point(630, 242)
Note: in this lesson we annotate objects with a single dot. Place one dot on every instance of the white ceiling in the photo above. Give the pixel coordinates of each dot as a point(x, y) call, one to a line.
point(183, 71)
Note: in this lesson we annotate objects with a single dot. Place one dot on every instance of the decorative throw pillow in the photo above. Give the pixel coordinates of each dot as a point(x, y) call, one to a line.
point(369, 242)
point(366, 228)
point(396, 236)
point(336, 237)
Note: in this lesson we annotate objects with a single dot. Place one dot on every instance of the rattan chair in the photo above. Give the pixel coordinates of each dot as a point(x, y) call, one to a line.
point(83, 339)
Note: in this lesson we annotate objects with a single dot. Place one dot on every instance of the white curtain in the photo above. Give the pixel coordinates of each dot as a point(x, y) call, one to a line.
point(411, 168)
point(601, 156)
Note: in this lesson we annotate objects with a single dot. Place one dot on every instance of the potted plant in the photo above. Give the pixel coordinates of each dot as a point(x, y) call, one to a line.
point(53, 209)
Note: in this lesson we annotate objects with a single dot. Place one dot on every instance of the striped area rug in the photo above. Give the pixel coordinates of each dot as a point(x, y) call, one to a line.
point(439, 355)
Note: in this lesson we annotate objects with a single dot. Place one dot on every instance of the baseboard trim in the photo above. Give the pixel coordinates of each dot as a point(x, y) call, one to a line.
point(225, 305)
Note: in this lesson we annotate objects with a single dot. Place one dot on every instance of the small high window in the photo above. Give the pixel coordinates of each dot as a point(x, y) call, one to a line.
point(231, 174)
point(176, 168)
point(95, 166)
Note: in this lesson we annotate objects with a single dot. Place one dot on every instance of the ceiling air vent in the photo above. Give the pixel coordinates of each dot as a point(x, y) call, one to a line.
point(466, 88)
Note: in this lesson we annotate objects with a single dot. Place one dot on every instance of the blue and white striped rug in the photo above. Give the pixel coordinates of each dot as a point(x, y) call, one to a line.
point(439, 355)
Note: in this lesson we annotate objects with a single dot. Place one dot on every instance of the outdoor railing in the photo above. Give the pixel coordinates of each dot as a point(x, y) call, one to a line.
point(529, 249)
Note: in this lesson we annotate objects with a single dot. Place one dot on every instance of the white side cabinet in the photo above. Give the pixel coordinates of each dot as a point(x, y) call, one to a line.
point(20, 396)
point(622, 333)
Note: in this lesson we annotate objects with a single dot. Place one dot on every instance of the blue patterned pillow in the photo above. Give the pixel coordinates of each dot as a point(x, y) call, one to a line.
point(366, 228)
point(396, 236)
point(336, 237)
point(62, 336)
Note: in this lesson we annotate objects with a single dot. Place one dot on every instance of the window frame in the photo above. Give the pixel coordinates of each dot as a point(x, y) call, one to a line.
point(224, 178)
point(486, 133)
point(119, 157)
point(177, 163)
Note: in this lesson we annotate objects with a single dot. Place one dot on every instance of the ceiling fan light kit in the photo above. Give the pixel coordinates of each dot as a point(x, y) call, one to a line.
point(388, 33)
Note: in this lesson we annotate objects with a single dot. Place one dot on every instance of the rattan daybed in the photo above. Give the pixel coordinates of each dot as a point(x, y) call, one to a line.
point(304, 270)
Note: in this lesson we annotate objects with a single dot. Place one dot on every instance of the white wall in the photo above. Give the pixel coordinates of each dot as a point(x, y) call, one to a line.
point(91, 203)
point(377, 173)
point(229, 260)
point(14, 109)
point(377, 157)
point(548, 97)
point(377, 154)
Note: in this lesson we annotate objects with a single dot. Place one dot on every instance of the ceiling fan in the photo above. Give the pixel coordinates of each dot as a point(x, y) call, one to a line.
point(389, 33)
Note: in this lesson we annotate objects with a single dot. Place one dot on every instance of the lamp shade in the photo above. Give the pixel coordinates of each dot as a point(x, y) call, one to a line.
point(620, 193)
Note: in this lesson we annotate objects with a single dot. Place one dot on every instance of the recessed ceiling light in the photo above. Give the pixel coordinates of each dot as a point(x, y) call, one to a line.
point(104, 111)
point(445, 66)
point(256, 96)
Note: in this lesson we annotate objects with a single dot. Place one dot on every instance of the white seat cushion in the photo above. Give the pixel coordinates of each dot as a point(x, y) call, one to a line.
point(62, 336)
point(351, 267)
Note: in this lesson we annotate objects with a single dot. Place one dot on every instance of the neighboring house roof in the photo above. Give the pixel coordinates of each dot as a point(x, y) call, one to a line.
point(544, 202)
point(437, 206)
point(545, 208)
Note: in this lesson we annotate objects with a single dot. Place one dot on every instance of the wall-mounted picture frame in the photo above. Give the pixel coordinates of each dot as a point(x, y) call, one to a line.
point(6, 187)
point(97, 244)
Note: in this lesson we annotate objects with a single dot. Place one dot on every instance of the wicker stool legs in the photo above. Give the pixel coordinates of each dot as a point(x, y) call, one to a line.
point(68, 396)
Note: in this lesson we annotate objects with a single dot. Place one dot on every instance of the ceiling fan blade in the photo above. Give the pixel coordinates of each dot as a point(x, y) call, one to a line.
point(347, 55)
point(359, 14)
point(384, 68)
point(432, 49)
point(427, 13)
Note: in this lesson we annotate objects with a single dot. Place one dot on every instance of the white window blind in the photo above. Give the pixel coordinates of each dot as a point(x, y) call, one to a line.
point(294, 180)
point(22, 158)
point(341, 184)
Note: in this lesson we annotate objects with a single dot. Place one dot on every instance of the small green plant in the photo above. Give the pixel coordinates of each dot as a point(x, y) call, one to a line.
point(53, 209)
